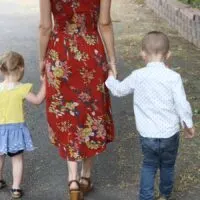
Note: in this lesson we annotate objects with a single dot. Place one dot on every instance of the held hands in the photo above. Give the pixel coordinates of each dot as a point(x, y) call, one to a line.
point(42, 68)
point(42, 78)
point(42, 72)
point(189, 132)
point(112, 70)
point(51, 135)
point(110, 73)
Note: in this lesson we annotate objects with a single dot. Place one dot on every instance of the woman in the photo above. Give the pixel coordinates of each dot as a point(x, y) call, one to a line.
point(77, 102)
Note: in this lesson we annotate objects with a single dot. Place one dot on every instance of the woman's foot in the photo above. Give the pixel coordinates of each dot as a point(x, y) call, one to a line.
point(2, 184)
point(85, 185)
point(74, 190)
point(16, 193)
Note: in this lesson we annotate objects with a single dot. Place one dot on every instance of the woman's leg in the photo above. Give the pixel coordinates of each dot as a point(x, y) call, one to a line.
point(85, 181)
point(2, 161)
point(87, 168)
point(17, 165)
point(73, 173)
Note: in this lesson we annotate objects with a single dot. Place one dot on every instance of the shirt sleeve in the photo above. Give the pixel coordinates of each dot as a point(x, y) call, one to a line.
point(183, 107)
point(123, 88)
point(25, 89)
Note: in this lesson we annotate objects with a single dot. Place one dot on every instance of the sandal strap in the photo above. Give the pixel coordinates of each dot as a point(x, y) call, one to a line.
point(16, 190)
point(88, 180)
point(2, 182)
point(74, 181)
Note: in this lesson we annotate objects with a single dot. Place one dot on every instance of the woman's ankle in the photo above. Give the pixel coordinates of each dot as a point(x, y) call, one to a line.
point(74, 184)
point(14, 186)
point(85, 174)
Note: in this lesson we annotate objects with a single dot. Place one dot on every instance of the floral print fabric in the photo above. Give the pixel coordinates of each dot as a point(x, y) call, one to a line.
point(78, 102)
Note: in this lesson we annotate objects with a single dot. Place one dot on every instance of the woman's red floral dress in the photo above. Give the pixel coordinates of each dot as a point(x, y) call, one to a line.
point(78, 103)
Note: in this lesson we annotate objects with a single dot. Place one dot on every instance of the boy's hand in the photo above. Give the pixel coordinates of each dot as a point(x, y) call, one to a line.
point(189, 132)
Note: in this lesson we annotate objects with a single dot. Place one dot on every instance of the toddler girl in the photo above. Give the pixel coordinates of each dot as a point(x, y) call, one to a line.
point(14, 134)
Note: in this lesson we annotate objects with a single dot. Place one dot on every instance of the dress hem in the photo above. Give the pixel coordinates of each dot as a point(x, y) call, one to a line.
point(87, 157)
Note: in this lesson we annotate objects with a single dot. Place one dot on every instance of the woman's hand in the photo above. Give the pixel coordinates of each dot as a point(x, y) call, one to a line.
point(51, 135)
point(113, 68)
point(42, 68)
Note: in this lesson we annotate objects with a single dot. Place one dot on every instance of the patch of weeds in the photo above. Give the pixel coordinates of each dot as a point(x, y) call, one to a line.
point(139, 1)
point(193, 3)
point(197, 111)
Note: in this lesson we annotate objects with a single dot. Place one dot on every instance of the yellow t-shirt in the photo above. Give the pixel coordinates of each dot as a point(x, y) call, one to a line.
point(11, 103)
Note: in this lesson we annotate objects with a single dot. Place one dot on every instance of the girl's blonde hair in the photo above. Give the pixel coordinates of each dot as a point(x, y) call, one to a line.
point(11, 62)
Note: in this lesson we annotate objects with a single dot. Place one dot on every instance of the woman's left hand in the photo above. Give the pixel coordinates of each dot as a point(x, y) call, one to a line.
point(114, 69)
point(51, 135)
point(42, 68)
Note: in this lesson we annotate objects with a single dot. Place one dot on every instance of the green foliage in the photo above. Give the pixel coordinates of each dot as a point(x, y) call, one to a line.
point(194, 3)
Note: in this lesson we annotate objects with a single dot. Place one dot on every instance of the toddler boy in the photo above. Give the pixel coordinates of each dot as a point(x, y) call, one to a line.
point(160, 105)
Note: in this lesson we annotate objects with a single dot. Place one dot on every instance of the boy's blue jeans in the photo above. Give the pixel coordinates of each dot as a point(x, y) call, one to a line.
point(158, 154)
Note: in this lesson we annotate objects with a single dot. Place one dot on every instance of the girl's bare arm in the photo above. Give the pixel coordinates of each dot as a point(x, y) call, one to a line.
point(39, 97)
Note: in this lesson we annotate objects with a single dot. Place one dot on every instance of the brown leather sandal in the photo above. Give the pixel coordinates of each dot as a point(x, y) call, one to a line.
point(16, 193)
point(2, 184)
point(75, 194)
point(86, 187)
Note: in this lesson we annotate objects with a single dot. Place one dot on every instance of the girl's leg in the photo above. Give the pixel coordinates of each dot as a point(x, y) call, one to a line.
point(87, 168)
point(2, 161)
point(73, 174)
point(17, 165)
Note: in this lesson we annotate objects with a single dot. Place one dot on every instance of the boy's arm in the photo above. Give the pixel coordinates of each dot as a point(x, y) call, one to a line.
point(37, 99)
point(182, 106)
point(118, 88)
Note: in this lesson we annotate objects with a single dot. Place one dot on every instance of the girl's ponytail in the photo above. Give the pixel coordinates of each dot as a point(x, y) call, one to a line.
point(10, 62)
point(3, 67)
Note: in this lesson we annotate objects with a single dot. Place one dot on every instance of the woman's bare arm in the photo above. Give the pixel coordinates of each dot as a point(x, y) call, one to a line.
point(45, 27)
point(106, 31)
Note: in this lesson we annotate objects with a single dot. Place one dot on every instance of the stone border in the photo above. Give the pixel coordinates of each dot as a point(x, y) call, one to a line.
point(180, 16)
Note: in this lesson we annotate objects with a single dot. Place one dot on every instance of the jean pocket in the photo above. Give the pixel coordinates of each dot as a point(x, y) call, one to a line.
point(148, 145)
point(170, 146)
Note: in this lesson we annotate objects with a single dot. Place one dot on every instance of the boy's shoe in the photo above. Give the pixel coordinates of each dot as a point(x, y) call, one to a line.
point(2, 184)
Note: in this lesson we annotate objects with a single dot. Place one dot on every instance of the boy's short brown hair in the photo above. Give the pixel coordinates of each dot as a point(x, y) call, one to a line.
point(156, 42)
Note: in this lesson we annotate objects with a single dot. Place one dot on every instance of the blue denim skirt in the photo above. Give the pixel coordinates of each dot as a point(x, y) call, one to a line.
point(15, 137)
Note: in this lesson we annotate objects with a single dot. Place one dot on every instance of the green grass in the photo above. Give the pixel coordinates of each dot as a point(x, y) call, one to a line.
point(194, 3)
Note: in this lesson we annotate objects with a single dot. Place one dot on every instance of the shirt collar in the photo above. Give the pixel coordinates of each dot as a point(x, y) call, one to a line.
point(156, 64)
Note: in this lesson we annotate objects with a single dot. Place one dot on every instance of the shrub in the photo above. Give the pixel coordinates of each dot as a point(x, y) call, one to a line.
point(194, 3)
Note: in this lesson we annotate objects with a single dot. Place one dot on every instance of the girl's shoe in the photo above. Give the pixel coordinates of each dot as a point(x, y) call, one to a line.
point(2, 184)
point(16, 193)
point(75, 194)
point(86, 185)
